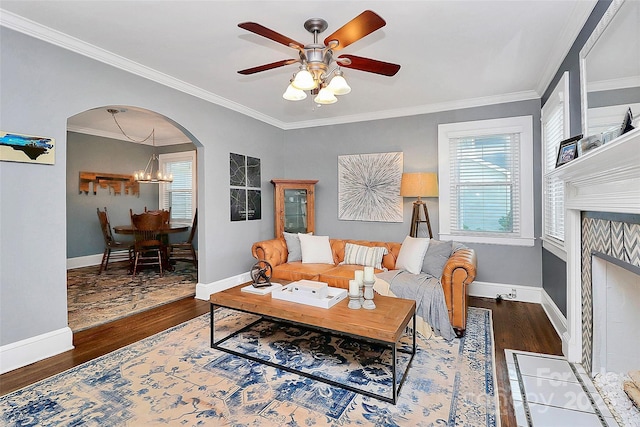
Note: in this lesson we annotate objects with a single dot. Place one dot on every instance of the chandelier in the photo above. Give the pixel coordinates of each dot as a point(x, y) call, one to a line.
point(151, 174)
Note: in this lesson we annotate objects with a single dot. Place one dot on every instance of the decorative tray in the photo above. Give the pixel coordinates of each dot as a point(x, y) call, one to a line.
point(287, 293)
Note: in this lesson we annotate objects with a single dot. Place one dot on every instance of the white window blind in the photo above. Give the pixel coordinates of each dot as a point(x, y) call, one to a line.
point(484, 186)
point(485, 181)
point(554, 130)
point(179, 196)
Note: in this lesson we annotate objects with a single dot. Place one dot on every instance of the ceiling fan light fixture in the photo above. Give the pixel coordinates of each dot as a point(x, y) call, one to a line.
point(338, 85)
point(304, 80)
point(325, 96)
point(294, 94)
point(317, 58)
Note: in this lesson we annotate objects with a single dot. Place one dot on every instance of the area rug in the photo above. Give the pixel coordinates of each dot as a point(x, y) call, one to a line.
point(94, 299)
point(175, 378)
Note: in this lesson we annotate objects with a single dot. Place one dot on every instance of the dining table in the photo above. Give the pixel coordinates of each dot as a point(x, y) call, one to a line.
point(166, 229)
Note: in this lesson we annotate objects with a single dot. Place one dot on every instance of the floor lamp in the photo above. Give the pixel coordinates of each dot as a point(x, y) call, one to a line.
point(419, 184)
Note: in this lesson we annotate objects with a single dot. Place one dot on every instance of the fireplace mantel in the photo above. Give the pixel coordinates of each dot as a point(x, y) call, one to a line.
point(606, 179)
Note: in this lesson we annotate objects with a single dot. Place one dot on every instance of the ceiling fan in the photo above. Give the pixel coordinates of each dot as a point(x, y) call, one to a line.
point(315, 59)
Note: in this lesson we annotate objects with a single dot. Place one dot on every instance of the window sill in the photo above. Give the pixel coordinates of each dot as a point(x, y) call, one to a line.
point(509, 241)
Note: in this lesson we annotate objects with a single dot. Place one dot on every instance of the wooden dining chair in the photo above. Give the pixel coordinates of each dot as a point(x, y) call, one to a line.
point(166, 213)
point(184, 251)
point(113, 250)
point(148, 249)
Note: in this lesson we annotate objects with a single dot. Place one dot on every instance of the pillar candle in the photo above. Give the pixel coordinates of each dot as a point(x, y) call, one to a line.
point(353, 288)
point(368, 274)
point(359, 276)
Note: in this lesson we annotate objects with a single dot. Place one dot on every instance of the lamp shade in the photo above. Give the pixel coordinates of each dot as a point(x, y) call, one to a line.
point(419, 184)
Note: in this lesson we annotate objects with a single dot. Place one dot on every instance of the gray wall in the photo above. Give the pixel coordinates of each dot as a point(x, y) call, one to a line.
point(38, 100)
point(555, 277)
point(417, 138)
point(98, 154)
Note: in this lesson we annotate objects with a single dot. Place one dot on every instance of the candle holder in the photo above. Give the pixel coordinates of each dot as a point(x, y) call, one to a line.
point(354, 302)
point(368, 295)
point(361, 293)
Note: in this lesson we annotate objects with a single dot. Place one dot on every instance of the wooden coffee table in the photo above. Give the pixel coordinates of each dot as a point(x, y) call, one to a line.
point(385, 325)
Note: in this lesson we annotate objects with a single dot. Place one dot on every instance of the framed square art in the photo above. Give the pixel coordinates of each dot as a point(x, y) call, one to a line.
point(568, 150)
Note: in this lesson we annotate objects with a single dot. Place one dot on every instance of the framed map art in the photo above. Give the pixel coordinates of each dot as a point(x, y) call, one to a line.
point(245, 197)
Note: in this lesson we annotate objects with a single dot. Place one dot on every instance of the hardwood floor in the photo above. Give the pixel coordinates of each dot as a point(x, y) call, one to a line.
point(517, 326)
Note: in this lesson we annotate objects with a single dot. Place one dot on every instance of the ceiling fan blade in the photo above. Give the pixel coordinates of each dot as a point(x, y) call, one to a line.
point(364, 24)
point(266, 67)
point(370, 65)
point(263, 31)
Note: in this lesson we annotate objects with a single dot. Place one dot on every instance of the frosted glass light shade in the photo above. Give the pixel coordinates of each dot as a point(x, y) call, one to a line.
point(304, 80)
point(293, 94)
point(339, 86)
point(325, 96)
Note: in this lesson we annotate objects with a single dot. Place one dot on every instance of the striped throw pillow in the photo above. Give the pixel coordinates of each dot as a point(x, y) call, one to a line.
point(369, 256)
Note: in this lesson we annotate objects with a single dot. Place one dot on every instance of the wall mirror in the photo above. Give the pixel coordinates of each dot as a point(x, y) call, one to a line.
point(610, 69)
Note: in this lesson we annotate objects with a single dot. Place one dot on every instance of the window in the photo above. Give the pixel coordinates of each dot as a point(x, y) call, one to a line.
point(180, 195)
point(555, 120)
point(486, 181)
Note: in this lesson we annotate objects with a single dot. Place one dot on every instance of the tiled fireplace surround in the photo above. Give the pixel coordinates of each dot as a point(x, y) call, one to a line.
point(607, 181)
point(615, 238)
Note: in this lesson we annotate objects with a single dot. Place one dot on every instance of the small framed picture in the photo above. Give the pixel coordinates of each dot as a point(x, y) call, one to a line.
point(568, 150)
point(589, 143)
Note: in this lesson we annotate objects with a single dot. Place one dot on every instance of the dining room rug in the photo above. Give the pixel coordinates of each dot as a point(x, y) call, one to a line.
point(94, 299)
point(175, 378)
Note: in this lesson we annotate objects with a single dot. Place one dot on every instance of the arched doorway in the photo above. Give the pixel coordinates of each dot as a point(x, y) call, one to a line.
point(108, 150)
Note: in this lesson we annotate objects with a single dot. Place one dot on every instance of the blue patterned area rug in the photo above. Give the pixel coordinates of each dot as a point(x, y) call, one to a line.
point(175, 378)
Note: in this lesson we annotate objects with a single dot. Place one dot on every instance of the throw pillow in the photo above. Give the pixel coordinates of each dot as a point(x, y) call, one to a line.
point(293, 246)
point(370, 256)
point(315, 249)
point(412, 254)
point(437, 256)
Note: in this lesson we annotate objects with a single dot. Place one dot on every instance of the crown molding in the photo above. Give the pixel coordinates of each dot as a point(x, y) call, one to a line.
point(570, 33)
point(418, 110)
point(26, 26)
point(57, 38)
point(120, 137)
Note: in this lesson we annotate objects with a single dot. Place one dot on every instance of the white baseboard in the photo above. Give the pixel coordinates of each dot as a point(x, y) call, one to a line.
point(491, 290)
point(84, 261)
point(204, 291)
point(555, 316)
point(34, 349)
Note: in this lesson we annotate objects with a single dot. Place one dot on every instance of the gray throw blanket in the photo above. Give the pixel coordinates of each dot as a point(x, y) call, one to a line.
point(427, 292)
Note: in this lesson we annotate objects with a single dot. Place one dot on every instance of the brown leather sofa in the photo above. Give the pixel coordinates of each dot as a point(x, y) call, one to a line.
point(458, 273)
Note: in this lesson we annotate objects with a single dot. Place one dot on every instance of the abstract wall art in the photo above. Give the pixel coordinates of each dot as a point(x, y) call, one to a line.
point(369, 187)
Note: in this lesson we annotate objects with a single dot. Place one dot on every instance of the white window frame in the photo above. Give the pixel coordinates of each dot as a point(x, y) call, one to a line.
point(559, 98)
point(522, 125)
point(177, 157)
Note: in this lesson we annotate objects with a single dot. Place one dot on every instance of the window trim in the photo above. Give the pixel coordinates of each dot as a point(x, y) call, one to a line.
point(522, 125)
point(560, 94)
point(174, 157)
